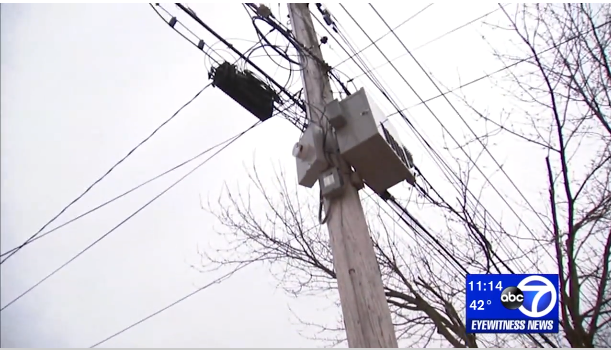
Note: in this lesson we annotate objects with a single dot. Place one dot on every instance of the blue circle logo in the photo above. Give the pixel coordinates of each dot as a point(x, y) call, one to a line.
point(539, 296)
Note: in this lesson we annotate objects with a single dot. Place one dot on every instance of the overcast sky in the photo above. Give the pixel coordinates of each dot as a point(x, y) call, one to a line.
point(83, 84)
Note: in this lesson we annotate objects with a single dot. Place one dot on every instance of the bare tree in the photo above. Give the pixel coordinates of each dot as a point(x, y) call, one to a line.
point(276, 224)
point(563, 90)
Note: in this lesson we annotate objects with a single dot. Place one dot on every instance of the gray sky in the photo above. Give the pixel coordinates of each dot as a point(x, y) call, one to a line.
point(83, 84)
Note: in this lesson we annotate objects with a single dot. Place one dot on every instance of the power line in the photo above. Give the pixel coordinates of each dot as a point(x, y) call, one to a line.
point(488, 75)
point(387, 197)
point(485, 148)
point(385, 35)
point(236, 51)
point(216, 281)
point(243, 56)
point(173, 22)
point(429, 240)
point(16, 250)
point(486, 244)
point(128, 218)
point(464, 25)
point(125, 193)
point(200, 44)
point(545, 338)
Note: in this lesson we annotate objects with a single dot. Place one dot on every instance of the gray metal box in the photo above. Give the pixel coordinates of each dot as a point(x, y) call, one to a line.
point(335, 114)
point(331, 183)
point(371, 145)
point(310, 156)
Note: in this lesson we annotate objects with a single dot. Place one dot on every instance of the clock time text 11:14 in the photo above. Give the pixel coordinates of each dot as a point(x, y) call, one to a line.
point(486, 286)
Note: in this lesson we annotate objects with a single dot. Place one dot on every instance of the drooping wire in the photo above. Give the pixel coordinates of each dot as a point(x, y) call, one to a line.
point(283, 93)
point(142, 320)
point(17, 249)
point(293, 65)
point(383, 36)
point(38, 235)
point(128, 218)
point(173, 22)
point(236, 51)
point(127, 192)
point(504, 68)
point(451, 31)
point(387, 197)
point(287, 33)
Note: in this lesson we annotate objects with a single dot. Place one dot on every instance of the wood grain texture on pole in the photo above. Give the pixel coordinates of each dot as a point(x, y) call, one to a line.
point(365, 311)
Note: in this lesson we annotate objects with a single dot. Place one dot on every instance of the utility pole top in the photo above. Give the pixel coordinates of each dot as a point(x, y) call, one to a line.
point(365, 310)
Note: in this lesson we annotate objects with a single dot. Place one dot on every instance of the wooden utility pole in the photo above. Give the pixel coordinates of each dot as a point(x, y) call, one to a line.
point(365, 310)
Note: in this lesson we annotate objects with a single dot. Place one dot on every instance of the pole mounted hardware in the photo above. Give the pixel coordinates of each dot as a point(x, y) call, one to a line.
point(243, 87)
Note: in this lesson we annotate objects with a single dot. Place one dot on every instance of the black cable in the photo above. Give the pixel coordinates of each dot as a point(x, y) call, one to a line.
point(103, 176)
point(128, 218)
point(125, 193)
point(385, 35)
point(216, 281)
point(274, 47)
point(449, 256)
point(287, 33)
point(272, 21)
point(547, 340)
point(198, 45)
point(265, 42)
point(464, 25)
point(485, 244)
point(421, 138)
point(443, 259)
point(242, 56)
point(236, 51)
point(555, 46)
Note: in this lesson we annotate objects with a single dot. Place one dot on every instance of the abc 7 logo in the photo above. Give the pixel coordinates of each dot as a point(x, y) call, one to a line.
point(512, 298)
